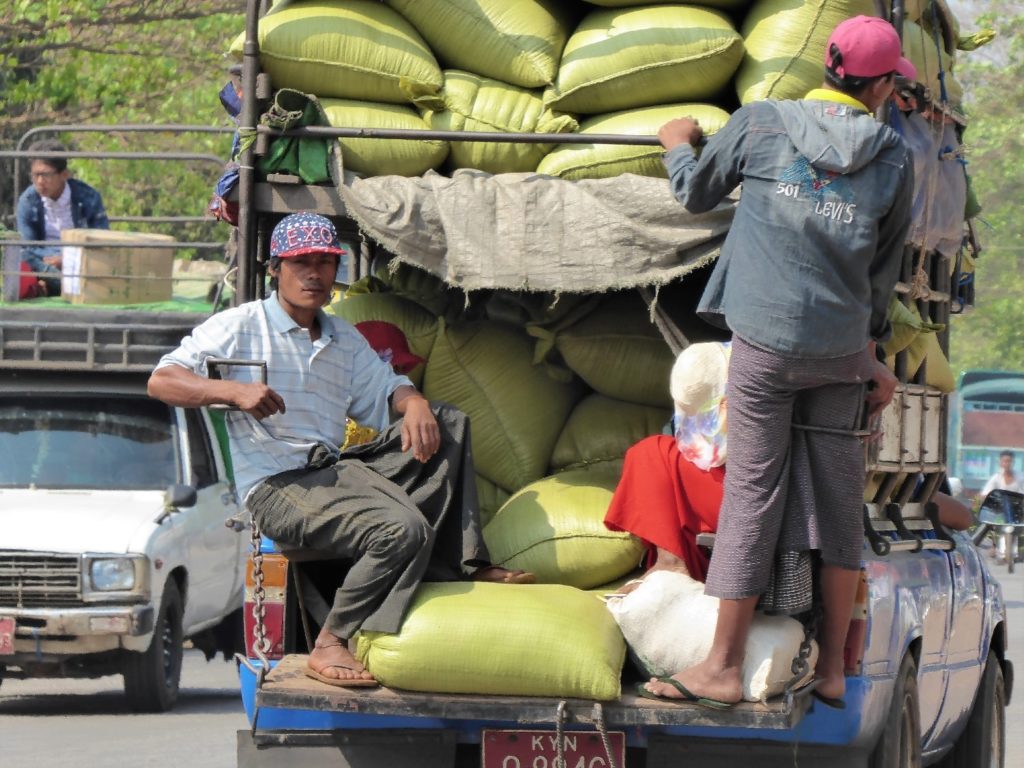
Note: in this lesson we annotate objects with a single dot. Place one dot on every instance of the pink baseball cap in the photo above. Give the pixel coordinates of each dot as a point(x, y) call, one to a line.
point(866, 46)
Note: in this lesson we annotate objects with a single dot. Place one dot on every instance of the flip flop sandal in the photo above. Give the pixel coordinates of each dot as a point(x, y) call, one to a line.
point(687, 695)
point(828, 701)
point(340, 682)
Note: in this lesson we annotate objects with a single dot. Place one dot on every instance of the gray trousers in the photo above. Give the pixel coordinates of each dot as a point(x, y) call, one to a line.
point(786, 489)
point(391, 516)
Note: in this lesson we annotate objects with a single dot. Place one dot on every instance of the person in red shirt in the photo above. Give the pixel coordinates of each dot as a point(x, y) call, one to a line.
point(671, 486)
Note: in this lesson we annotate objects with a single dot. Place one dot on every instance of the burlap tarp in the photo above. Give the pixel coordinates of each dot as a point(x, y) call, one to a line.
point(525, 231)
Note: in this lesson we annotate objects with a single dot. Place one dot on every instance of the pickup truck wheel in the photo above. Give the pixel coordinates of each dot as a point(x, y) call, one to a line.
point(899, 746)
point(983, 742)
point(151, 677)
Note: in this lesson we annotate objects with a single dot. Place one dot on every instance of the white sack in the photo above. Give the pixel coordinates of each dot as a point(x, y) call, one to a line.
point(669, 623)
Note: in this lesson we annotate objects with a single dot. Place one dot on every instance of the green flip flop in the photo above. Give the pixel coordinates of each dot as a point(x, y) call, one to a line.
point(687, 695)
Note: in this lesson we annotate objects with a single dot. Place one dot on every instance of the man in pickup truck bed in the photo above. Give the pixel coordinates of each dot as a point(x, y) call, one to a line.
point(803, 281)
point(396, 515)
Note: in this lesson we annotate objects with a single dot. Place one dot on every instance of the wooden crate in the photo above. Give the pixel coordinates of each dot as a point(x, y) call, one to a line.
point(116, 274)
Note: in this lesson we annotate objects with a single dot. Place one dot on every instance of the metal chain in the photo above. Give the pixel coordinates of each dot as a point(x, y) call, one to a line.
point(560, 715)
point(801, 666)
point(599, 722)
point(261, 646)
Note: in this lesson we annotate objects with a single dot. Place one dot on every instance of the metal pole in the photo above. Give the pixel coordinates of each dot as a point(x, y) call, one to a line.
point(245, 290)
point(99, 128)
point(413, 134)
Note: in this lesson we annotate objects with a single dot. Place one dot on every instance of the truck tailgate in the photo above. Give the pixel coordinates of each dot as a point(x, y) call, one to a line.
point(287, 687)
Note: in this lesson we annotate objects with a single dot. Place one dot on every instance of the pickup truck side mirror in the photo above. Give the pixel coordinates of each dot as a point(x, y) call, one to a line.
point(180, 495)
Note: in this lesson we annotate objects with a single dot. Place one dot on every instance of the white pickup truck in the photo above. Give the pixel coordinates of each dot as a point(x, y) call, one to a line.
point(113, 544)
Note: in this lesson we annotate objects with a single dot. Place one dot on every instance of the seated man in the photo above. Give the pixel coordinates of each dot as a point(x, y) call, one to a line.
point(53, 203)
point(396, 506)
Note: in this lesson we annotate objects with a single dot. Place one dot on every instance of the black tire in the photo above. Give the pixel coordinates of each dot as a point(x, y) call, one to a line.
point(151, 678)
point(983, 742)
point(899, 745)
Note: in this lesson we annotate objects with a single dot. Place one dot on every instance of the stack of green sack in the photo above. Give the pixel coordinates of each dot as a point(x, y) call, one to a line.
point(552, 417)
point(559, 66)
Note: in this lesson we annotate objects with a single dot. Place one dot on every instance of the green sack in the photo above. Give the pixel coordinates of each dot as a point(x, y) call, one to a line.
point(311, 159)
point(926, 349)
point(618, 351)
point(926, 53)
point(725, 4)
point(351, 49)
point(501, 640)
point(636, 57)
point(555, 529)
point(602, 429)
point(418, 325)
point(378, 157)
point(907, 325)
point(785, 44)
point(518, 43)
point(474, 103)
point(596, 161)
point(490, 498)
point(417, 285)
point(516, 410)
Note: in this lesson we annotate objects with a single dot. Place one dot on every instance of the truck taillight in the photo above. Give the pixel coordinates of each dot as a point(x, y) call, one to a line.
point(856, 636)
point(275, 577)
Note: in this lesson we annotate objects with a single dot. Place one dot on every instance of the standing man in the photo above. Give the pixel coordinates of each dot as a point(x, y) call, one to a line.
point(803, 282)
point(393, 507)
point(53, 203)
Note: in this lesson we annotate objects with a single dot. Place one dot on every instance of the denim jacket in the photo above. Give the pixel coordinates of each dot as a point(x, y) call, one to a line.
point(816, 246)
point(86, 212)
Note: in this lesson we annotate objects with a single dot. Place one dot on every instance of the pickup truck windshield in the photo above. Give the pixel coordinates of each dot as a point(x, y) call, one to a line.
point(86, 443)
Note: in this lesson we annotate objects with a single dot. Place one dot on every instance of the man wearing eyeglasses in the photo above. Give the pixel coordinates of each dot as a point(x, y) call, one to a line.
point(54, 202)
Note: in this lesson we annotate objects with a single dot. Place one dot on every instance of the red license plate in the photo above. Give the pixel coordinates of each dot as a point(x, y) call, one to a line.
point(6, 635)
point(539, 749)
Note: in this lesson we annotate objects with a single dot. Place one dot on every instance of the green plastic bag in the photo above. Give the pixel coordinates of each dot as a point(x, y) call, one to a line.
point(602, 429)
point(311, 159)
point(418, 325)
point(555, 529)
point(501, 640)
point(598, 161)
point(516, 410)
point(377, 157)
point(623, 58)
point(518, 43)
point(474, 103)
point(350, 49)
point(785, 45)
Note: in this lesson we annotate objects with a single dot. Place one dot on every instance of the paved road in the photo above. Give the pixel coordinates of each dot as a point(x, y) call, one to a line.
point(75, 723)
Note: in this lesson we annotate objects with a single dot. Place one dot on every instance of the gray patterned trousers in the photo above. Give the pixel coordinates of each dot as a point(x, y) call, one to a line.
point(393, 518)
point(788, 490)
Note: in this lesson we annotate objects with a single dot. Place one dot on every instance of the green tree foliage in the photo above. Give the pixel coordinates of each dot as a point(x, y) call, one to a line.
point(120, 62)
point(992, 336)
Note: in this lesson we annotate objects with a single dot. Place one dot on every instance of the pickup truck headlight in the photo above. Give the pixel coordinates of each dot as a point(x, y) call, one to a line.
point(115, 574)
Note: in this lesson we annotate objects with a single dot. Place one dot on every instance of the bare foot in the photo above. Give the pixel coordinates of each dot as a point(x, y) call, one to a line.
point(334, 660)
point(498, 575)
point(705, 681)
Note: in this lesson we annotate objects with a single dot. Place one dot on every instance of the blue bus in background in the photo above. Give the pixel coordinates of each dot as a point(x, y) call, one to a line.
point(987, 417)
